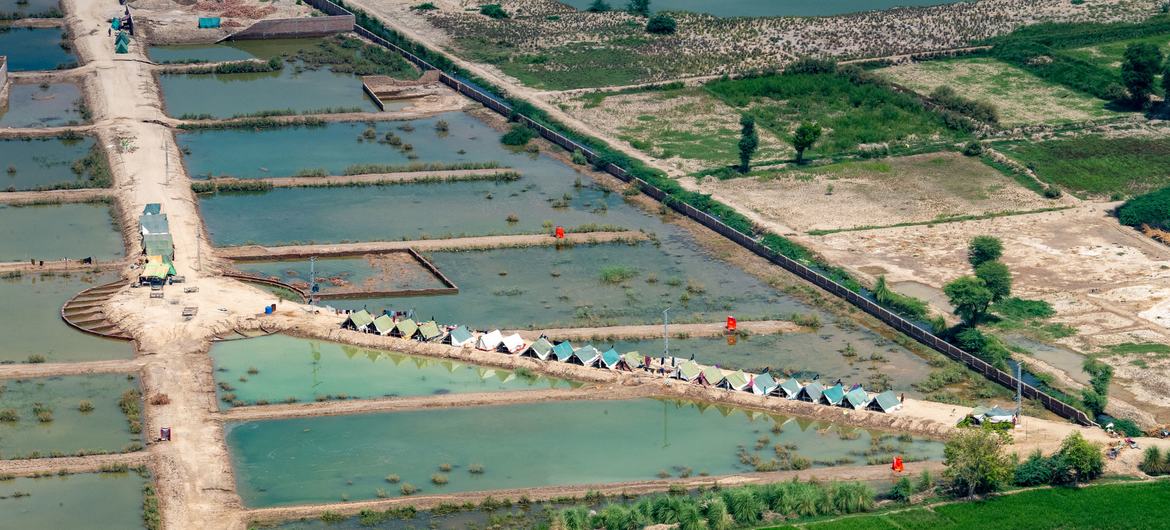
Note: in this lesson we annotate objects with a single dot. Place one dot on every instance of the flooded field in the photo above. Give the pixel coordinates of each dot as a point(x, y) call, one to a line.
point(105, 501)
point(328, 459)
point(42, 105)
point(26, 8)
point(34, 49)
point(41, 163)
point(775, 8)
point(392, 271)
point(30, 320)
point(72, 231)
point(53, 419)
point(228, 51)
point(276, 368)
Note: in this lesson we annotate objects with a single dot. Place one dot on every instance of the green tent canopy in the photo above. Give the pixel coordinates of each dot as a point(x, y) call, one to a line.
point(383, 324)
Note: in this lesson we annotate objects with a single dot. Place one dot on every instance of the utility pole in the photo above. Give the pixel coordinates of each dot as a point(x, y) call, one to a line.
point(666, 333)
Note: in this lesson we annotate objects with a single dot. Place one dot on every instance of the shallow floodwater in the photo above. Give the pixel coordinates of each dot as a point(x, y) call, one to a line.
point(34, 49)
point(30, 320)
point(371, 273)
point(294, 87)
point(40, 162)
point(31, 105)
point(58, 231)
point(1068, 361)
point(774, 8)
point(29, 7)
point(229, 50)
point(104, 429)
point(94, 501)
point(308, 460)
point(309, 369)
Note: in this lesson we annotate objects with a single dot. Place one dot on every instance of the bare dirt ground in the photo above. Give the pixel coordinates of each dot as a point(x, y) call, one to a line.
point(713, 329)
point(21, 371)
point(1105, 280)
point(54, 196)
point(169, 22)
point(71, 464)
point(912, 189)
point(254, 252)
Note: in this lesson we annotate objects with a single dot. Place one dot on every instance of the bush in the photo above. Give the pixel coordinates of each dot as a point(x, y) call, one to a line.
point(1153, 463)
point(517, 136)
point(661, 24)
point(475, 469)
point(973, 148)
point(9, 416)
point(393, 479)
point(407, 489)
point(439, 479)
point(1150, 209)
point(617, 274)
point(36, 358)
point(45, 416)
point(493, 11)
point(160, 399)
point(85, 406)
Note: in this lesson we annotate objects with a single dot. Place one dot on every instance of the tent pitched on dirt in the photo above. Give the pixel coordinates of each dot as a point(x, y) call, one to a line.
point(710, 376)
point(459, 337)
point(811, 392)
point(404, 329)
point(689, 371)
point(359, 321)
point(995, 415)
point(856, 399)
point(383, 324)
point(832, 395)
point(885, 402)
point(513, 343)
point(630, 361)
point(736, 380)
point(763, 384)
point(563, 351)
point(789, 389)
point(610, 359)
point(153, 224)
point(428, 331)
point(539, 349)
point(586, 356)
point(489, 341)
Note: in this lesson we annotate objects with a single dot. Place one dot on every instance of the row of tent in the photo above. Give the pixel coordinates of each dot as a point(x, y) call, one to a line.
point(157, 244)
point(762, 384)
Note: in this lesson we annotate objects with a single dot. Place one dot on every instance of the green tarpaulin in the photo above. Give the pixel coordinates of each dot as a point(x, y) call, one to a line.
point(208, 22)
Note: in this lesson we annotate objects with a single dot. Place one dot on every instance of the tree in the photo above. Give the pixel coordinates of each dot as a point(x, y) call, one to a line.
point(598, 6)
point(982, 249)
point(1166, 84)
point(1082, 456)
point(970, 298)
point(805, 136)
point(976, 462)
point(749, 140)
point(1142, 62)
point(639, 7)
point(996, 277)
point(493, 11)
point(661, 24)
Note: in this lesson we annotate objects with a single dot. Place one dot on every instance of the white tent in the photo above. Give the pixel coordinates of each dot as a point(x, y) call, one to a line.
point(489, 341)
point(511, 344)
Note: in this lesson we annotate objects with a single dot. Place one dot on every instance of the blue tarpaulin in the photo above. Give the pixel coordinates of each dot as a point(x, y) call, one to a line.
point(208, 22)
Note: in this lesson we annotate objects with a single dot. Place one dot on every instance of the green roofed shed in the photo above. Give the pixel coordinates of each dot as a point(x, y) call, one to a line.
point(539, 349)
point(429, 331)
point(857, 398)
point(885, 402)
point(563, 351)
point(383, 324)
point(833, 395)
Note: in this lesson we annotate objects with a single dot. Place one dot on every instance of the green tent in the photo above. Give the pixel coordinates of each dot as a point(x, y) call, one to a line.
point(857, 398)
point(539, 349)
point(689, 370)
point(811, 392)
point(885, 402)
point(833, 395)
point(429, 331)
point(711, 376)
point(383, 324)
point(359, 321)
point(460, 336)
point(611, 358)
point(586, 356)
point(153, 224)
point(153, 208)
point(563, 351)
point(404, 329)
point(632, 360)
point(736, 380)
point(763, 384)
point(791, 388)
point(159, 245)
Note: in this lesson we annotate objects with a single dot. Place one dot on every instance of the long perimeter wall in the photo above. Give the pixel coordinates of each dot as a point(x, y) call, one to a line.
point(903, 325)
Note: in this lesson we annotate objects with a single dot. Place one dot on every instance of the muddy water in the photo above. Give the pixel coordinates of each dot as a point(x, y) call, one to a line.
point(40, 162)
point(229, 51)
point(931, 295)
point(774, 8)
point(385, 272)
point(308, 369)
point(104, 429)
point(31, 105)
point(72, 231)
point(1068, 361)
point(30, 320)
point(105, 501)
point(34, 49)
point(328, 459)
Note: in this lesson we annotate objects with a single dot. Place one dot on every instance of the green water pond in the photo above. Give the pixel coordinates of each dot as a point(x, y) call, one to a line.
point(103, 429)
point(328, 459)
point(370, 273)
point(24, 8)
point(33, 105)
point(35, 163)
point(34, 49)
point(94, 501)
point(30, 320)
point(289, 367)
point(71, 231)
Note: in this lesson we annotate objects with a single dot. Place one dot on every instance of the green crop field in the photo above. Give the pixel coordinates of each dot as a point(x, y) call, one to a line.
point(1109, 54)
point(1093, 165)
point(1112, 506)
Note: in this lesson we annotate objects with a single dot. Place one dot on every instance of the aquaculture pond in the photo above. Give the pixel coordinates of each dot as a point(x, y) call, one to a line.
point(236, 50)
point(275, 368)
point(295, 87)
point(393, 271)
point(27, 8)
point(65, 415)
point(327, 459)
point(62, 231)
point(775, 8)
point(35, 49)
point(95, 501)
point(830, 353)
point(335, 146)
point(42, 105)
point(30, 319)
point(41, 163)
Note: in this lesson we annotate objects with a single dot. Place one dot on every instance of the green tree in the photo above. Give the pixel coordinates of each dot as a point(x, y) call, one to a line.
point(1166, 84)
point(996, 277)
point(661, 24)
point(1142, 62)
point(983, 249)
point(639, 7)
point(976, 462)
point(970, 298)
point(1082, 456)
point(493, 11)
point(749, 141)
point(598, 6)
point(805, 136)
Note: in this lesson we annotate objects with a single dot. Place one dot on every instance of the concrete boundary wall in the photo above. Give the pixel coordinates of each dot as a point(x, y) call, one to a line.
point(285, 28)
point(913, 330)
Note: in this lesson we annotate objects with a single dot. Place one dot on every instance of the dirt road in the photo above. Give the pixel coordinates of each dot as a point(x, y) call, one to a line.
point(82, 195)
point(71, 464)
point(379, 178)
point(255, 252)
point(20, 371)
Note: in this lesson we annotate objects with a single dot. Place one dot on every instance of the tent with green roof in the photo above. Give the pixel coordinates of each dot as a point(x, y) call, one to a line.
point(885, 402)
point(539, 349)
point(586, 356)
point(153, 208)
point(359, 321)
point(428, 331)
point(153, 224)
point(689, 371)
point(631, 361)
point(383, 325)
point(856, 399)
point(763, 384)
point(404, 329)
point(811, 392)
point(736, 380)
point(159, 245)
point(459, 337)
point(710, 376)
point(563, 351)
point(789, 389)
point(610, 359)
point(833, 395)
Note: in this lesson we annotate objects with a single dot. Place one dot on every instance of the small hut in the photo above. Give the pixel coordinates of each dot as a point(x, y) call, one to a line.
point(489, 341)
point(833, 395)
point(856, 398)
point(563, 351)
point(360, 321)
point(459, 337)
point(611, 359)
point(885, 402)
point(586, 356)
point(513, 343)
point(538, 350)
point(810, 392)
point(427, 332)
point(763, 384)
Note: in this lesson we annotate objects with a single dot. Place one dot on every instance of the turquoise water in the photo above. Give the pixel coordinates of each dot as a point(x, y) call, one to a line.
point(34, 49)
point(62, 231)
point(229, 51)
point(286, 151)
point(30, 320)
point(40, 162)
point(104, 429)
point(369, 273)
point(772, 8)
point(31, 105)
point(294, 87)
point(309, 369)
point(327, 459)
point(29, 7)
point(105, 501)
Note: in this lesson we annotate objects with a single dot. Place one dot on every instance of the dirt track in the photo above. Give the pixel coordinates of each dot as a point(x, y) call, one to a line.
point(71, 464)
point(81, 195)
point(714, 329)
point(19, 371)
point(256, 252)
point(378, 178)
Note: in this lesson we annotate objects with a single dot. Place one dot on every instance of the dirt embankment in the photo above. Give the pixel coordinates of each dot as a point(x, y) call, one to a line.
point(20, 371)
point(55, 196)
point(713, 329)
point(71, 464)
point(256, 252)
point(379, 178)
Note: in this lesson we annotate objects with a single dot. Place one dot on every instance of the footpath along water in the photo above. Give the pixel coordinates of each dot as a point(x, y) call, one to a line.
point(94, 501)
point(330, 459)
point(72, 231)
point(30, 319)
point(42, 105)
point(51, 420)
point(275, 368)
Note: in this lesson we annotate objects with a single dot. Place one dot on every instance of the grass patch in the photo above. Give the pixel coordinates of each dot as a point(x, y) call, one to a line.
point(938, 220)
point(1094, 165)
point(1137, 348)
point(616, 274)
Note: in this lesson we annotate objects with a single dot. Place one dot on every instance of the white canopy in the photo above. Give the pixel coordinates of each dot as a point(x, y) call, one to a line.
point(489, 341)
point(512, 343)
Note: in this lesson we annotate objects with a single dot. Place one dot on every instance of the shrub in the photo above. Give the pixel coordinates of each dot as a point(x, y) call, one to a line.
point(9, 416)
point(36, 358)
point(493, 11)
point(160, 399)
point(1153, 463)
point(425, 6)
point(517, 136)
point(445, 467)
point(973, 148)
point(45, 416)
point(392, 478)
point(614, 274)
point(661, 24)
point(579, 158)
point(407, 489)
point(439, 479)
point(475, 469)
point(1150, 209)
point(85, 406)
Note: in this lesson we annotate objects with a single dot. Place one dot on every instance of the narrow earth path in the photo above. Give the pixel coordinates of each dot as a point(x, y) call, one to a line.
point(71, 464)
point(255, 252)
point(654, 331)
point(122, 366)
point(404, 177)
point(53, 196)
